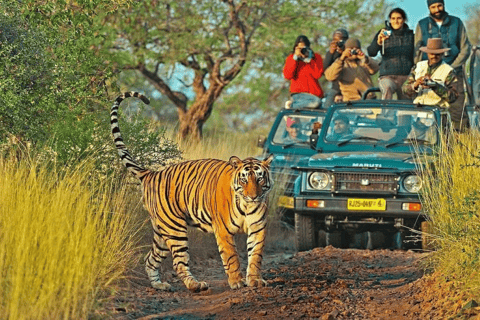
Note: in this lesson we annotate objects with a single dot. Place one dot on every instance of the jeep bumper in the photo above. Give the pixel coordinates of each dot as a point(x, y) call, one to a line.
point(406, 208)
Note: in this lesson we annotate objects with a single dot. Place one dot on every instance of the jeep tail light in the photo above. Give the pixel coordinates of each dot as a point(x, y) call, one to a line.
point(411, 206)
point(315, 204)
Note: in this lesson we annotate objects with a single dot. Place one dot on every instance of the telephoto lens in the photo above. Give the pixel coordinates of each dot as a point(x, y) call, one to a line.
point(305, 50)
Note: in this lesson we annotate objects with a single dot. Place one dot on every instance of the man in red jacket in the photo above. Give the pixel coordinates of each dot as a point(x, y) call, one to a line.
point(303, 68)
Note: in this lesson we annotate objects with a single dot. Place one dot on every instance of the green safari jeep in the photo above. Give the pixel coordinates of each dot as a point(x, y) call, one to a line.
point(361, 187)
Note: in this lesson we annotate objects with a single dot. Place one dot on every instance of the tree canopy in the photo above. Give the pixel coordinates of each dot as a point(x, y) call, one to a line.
point(59, 56)
point(208, 43)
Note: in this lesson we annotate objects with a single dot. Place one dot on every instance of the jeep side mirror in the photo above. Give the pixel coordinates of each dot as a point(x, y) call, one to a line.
point(261, 142)
point(313, 140)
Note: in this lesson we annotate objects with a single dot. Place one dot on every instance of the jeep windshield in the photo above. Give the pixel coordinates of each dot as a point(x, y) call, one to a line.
point(295, 129)
point(382, 126)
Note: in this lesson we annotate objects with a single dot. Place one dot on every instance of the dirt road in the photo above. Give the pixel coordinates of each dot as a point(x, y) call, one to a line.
point(325, 283)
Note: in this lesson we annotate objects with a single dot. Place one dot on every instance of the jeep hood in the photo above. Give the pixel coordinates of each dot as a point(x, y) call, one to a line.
point(392, 160)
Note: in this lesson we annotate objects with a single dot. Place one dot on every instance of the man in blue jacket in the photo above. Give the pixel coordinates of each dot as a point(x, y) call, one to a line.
point(439, 24)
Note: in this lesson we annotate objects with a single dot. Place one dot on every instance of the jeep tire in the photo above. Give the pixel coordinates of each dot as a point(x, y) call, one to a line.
point(337, 239)
point(375, 240)
point(321, 238)
point(305, 235)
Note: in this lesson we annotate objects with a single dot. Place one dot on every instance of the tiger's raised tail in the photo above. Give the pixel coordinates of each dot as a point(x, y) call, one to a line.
point(124, 154)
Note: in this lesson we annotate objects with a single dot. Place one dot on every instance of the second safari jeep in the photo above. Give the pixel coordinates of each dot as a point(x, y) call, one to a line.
point(289, 141)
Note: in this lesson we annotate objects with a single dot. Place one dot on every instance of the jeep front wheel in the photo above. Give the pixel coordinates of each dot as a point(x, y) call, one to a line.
point(305, 237)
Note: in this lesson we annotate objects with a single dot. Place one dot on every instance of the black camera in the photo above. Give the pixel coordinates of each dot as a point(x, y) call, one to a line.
point(341, 44)
point(305, 51)
point(429, 83)
point(353, 51)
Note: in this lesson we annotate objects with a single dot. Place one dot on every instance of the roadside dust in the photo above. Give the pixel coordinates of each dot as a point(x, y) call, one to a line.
point(324, 283)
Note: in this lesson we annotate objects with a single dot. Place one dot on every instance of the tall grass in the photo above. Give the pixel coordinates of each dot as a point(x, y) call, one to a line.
point(221, 146)
point(64, 238)
point(452, 201)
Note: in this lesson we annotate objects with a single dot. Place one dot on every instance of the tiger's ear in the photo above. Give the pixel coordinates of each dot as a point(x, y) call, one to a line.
point(268, 160)
point(235, 161)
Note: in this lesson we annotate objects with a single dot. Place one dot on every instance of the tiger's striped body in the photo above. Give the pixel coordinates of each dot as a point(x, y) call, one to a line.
point(223, 197)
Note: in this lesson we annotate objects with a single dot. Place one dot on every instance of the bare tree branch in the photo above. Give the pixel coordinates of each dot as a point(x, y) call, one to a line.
point(160, 85)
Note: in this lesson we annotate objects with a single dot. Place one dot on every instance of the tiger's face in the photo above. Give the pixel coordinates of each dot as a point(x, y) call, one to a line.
point(251, 180)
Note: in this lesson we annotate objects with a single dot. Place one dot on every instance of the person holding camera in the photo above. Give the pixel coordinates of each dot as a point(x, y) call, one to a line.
point(303, 68)
point(395, 44)
point(337, 45)
point(432, 81)
point(440, 24)
point(352, 70)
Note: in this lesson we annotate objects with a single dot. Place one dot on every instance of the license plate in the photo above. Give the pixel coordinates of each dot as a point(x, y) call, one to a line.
point(286, 202)
point(367, 204)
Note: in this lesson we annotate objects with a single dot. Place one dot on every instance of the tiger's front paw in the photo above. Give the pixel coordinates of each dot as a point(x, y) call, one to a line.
point(236, 282)
point(161, 286)
point(256, 281)
point(195, 286)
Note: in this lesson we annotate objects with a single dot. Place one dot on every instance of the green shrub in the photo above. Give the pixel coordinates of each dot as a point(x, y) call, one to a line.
point(53, 83)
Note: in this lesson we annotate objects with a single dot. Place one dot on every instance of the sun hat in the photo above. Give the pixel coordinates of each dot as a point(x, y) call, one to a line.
point(434, 45)
point(343, 118)
point(291, 122)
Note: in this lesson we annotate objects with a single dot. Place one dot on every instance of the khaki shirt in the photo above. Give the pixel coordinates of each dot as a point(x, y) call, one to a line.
point(353, 75)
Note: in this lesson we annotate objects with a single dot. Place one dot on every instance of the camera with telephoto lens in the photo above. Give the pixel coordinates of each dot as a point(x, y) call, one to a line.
point(387, 33)
point(429, 83)
point(353, 51)
point(341, 44)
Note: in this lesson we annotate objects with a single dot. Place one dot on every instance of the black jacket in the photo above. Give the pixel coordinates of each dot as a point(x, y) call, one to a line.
point(453, 34)
point(398, 52)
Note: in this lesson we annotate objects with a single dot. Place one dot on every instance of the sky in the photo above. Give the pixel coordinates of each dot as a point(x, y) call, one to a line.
point(417, 9)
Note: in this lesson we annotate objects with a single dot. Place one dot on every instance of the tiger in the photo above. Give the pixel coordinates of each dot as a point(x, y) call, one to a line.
point(223, 197)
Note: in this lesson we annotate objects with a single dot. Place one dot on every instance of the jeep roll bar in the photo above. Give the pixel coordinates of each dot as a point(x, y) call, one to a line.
point(473, 81)
point(368, 91)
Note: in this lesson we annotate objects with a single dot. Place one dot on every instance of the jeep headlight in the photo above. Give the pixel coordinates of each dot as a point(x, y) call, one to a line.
point(412, 183)
point(319, 180)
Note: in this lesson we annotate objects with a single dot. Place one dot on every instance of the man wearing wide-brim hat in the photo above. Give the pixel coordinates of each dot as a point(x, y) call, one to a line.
point(432, 81)
point(440, 24)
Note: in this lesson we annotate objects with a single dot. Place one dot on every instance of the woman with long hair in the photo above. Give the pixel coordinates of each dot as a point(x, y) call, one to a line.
point(303, 67)
point(395, 43)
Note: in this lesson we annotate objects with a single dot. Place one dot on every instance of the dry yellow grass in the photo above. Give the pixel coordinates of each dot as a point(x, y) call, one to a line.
point(64, 238)
point(452, 200)
point(220, 146)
